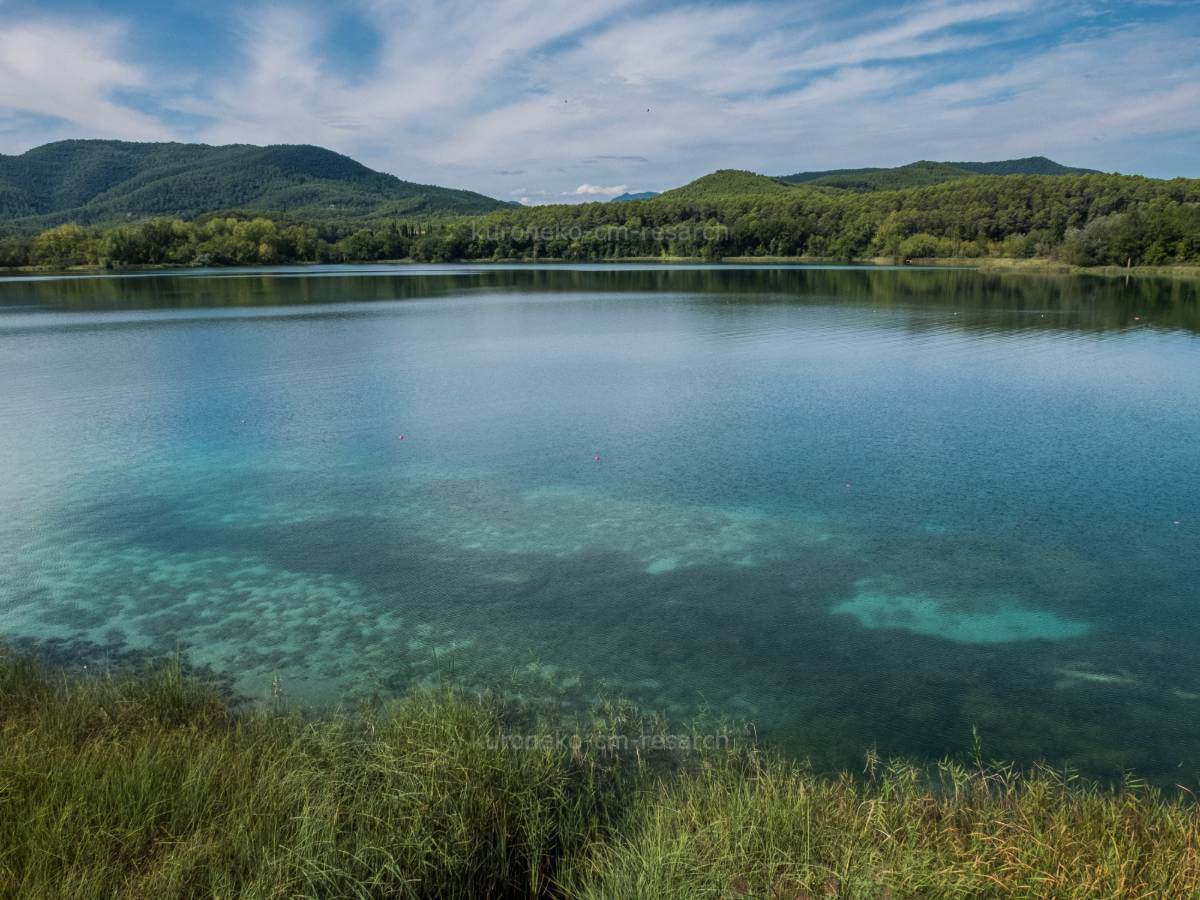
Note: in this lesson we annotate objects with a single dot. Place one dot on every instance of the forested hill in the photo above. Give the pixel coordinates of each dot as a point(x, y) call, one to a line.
point(734, 182)
point(725, 183)
point(926, 172)
point(90, 182)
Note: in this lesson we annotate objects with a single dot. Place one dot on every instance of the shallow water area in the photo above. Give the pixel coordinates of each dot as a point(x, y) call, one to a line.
point(859, 507)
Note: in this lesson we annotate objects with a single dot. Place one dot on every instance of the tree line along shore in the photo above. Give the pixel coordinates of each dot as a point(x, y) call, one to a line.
point(1068, 221)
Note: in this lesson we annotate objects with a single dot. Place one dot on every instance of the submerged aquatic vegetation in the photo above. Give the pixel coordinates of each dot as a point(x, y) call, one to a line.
point(1001, 621)
point(153, 785)
point(765, 534)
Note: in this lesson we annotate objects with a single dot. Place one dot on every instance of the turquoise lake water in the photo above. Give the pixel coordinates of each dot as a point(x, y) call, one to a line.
point(859, 507)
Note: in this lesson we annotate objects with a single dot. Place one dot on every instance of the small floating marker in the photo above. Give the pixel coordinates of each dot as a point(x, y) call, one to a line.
point(597, 457)
point(1176, 522)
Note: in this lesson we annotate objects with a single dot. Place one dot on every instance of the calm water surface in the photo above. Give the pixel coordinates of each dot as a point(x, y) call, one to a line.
point(859, 507)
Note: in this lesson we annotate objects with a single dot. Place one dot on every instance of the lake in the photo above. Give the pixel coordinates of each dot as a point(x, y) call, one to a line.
point(858, 507)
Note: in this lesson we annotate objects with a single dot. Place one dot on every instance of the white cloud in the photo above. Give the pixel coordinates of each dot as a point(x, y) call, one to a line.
point(614, 92)
point(69, 72)
point(595, 190)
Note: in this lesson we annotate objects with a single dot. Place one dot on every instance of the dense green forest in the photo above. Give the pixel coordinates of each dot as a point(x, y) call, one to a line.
point(1077, 219)
point(112, 181)
point(116, 203)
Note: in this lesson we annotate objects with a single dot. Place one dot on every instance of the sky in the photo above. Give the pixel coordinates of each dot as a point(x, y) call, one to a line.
point(547, 101)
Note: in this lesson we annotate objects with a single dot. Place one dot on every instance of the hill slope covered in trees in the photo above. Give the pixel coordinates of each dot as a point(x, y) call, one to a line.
point(725, 183)
point(731, 182)
point(1082, 220)
point(110, 181)
point(926, 172)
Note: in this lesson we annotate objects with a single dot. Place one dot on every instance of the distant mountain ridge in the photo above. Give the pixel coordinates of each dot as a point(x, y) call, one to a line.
point(725, 183)
point(1028, 165)
point(100, 181)
point(628, 198)
point(926, 172)
point(104, 182)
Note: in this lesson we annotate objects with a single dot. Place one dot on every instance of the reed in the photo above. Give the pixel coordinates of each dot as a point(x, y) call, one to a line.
point(152, 785)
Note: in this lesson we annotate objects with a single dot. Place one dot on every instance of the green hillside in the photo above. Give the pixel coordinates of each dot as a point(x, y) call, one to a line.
point(926, 172)
point(725, 183)
point(915, 174)
point(110, 181)
point(1029, 165)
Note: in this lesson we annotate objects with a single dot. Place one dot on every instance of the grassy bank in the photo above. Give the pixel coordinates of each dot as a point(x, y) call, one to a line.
point(153, 787)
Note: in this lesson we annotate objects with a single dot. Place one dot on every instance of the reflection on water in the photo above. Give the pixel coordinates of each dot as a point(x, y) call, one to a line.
point(862, 507)
point(996, 301)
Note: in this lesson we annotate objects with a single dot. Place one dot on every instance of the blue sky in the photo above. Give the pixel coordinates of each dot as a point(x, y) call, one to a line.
point(566, 100)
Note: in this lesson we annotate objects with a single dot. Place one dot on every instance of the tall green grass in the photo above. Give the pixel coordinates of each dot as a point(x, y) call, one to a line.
point(764, 828)
point(150, 786)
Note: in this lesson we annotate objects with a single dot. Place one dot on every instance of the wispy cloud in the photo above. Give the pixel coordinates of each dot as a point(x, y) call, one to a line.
point(920, 30)
point(69, 75)
point(559, 99)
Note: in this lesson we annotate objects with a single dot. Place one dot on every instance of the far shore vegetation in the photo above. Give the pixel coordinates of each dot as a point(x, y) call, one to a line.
point(157, 785)
point(1063, 223)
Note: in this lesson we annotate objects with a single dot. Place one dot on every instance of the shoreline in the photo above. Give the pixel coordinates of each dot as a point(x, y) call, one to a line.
point(152, 785)
point(988, 265)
